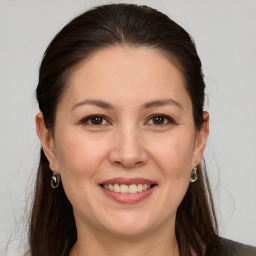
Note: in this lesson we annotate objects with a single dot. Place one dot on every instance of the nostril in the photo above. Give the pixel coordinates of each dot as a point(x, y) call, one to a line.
point(128, 158)
point(117, 163)
point(128, 164)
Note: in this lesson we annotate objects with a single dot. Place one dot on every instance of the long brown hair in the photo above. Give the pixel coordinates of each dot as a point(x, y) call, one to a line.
point(52, 226)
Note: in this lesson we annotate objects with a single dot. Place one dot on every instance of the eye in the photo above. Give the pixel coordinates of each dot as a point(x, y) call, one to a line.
point(95, 120)
point(160, 120)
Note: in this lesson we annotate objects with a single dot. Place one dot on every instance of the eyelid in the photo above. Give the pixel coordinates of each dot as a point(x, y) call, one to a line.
point(87, 118)
point(168, 118)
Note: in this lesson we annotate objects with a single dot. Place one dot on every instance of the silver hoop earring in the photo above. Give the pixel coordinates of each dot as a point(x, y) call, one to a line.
point(193, 177)
point(55, 179)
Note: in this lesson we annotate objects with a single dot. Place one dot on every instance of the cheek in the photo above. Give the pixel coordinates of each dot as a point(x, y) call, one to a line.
point(79, 158)
point(174, 157)
point(77, 155)
point(174, 154)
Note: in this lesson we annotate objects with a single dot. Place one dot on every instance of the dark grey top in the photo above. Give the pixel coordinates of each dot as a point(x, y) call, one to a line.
point(231, 248)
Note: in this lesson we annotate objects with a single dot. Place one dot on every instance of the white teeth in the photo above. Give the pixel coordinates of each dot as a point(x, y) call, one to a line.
point(116, 188)
point(140, 188)
point(133, 189)
point(125, 189)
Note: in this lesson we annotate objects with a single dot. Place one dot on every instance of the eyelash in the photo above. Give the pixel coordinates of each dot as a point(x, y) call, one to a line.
point(167, 120)
point(89, 118)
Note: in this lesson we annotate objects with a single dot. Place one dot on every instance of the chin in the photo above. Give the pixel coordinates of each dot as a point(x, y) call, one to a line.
point(129, 231)
point(130, 225)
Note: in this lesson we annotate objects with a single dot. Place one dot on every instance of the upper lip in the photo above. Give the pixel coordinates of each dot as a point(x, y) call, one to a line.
point(128, 181)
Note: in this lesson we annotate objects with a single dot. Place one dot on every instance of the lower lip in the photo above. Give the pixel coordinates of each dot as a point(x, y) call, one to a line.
point(128, 198)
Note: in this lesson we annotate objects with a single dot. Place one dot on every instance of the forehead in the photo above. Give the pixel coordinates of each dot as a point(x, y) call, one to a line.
point(125, 73)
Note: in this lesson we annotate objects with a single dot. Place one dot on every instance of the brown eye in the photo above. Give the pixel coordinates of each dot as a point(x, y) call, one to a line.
point(158, 120)
point(96, 120)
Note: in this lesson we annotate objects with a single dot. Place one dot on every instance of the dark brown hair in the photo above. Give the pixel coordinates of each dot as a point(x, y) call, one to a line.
point(52, 227)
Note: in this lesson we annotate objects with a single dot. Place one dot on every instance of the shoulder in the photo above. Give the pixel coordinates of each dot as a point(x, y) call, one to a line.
point(231, 248)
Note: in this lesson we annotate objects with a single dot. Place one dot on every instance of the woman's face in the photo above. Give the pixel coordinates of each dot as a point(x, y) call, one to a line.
point(125, 123)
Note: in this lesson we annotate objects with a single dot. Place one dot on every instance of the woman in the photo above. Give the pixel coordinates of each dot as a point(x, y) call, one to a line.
point(123, 131)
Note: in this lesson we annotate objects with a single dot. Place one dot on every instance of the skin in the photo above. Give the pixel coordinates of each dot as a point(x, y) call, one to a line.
point(127, 143)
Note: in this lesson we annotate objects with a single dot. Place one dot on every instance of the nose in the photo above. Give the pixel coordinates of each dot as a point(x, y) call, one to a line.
point(128, 149)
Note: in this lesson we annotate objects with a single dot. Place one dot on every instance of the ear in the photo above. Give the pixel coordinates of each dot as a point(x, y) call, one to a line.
point(46, 139)
point(200, 140)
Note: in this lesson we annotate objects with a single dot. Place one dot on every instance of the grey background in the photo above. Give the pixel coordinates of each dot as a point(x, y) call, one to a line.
point(225, 35)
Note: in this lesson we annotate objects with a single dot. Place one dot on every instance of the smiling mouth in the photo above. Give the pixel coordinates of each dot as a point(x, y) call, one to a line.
point(128, 189)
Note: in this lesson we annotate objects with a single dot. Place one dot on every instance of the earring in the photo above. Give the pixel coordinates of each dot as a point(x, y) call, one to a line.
point(55, 179)
point(193, 177)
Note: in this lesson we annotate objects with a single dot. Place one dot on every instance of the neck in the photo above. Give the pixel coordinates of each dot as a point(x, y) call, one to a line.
point(153, 243)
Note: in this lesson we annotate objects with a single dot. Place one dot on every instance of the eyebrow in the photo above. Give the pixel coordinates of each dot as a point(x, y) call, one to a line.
point(98, 103)
point(163, 102)
point(106, 105)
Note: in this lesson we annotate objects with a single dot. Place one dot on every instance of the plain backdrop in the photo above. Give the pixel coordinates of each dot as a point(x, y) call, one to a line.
point(225, 35)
